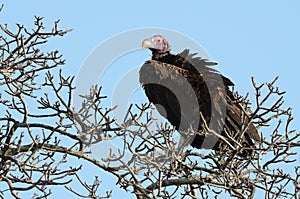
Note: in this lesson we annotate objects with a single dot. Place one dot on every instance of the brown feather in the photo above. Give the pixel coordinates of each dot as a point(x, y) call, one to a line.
point(172, 80)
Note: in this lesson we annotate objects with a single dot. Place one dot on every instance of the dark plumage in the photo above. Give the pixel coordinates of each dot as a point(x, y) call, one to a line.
point(183, 86)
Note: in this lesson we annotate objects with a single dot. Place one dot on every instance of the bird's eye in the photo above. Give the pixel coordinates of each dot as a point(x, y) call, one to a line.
point(158, 40)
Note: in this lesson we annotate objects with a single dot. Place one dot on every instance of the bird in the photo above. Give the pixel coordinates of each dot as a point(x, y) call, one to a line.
point(194, 97)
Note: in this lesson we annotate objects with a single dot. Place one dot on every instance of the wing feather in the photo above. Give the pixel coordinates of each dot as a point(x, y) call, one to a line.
point(164, 81)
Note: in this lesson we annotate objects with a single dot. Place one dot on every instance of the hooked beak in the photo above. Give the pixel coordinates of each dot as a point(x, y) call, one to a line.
point(146, 43)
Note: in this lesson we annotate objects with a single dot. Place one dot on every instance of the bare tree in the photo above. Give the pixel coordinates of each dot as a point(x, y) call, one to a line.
point(40, 132)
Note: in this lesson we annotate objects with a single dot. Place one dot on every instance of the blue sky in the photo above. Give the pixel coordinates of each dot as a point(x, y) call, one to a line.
point(257, 38)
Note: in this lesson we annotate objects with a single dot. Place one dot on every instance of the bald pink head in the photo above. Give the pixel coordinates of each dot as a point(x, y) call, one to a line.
point(157, 43)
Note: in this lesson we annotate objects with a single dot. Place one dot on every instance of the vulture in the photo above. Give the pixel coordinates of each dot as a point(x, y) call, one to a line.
point(195, 97)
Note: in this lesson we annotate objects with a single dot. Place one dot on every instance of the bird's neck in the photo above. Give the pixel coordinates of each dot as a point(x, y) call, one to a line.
point(158, 55)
